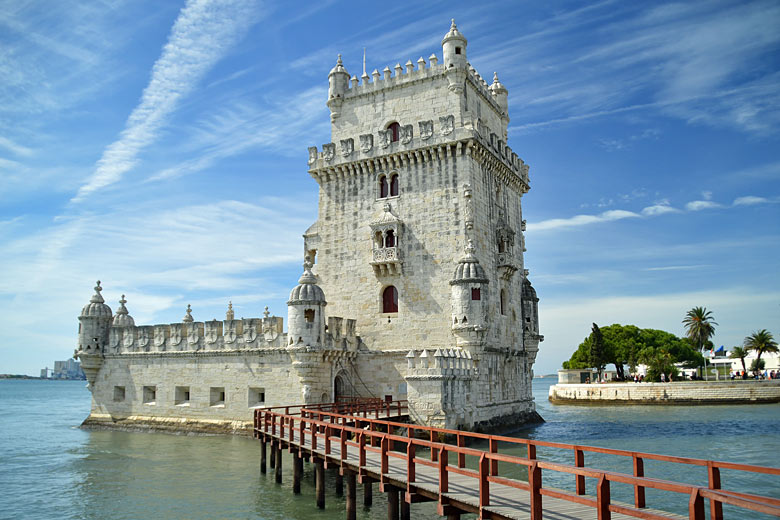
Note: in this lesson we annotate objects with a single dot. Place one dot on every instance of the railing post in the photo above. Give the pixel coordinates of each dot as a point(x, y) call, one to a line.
point(410, 469)
point(327, 440)
point(273, 424)
point(484, 484)
point(531, 451)
point(361, 450)
point(302, 432)
point(579, 461)
point(461, 456)
point(343, 444)
point(696, 506)
point(716, 508)
point(639, 491)
point(535, 483)
point(434, 453)
point(292, 431)
point(444, 485)
point(313, 437)
point(603, 498)
point(493, 447)
point(383, 463)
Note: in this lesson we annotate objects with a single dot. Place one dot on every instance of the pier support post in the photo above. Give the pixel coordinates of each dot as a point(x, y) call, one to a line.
point(278, 462)
point(272, 462)
point(351, 495)
point(339, 484)
point(297, 472)
point(405, 508)
point(453, 516)
point(368, 494)
point(262, 456)
point(319, 482)
point(392, 503)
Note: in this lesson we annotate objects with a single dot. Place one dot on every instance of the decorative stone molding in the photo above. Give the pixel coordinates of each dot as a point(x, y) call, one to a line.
point(385, 137)
point(366, 143)
point(328, 151)
point(406, 134)
point(426, 129)
point(347, 147)
point(312, 155)
point(447, 124)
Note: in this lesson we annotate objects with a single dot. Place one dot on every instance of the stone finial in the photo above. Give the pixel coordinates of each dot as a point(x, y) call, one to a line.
point(433, 59)
point(230, 315)
point(365, 78)
point(421, 63)
point(409, 66)
point(398, 69)
point(497, 87)
point(188, 317)
point(410, 354)
point(470, 249)
point(122, 309)
point(355, 81)
point(387, 72)
point(97, 298)
point(266, 313)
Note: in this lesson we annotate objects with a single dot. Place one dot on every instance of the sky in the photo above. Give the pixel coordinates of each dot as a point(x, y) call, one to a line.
point(161, 147)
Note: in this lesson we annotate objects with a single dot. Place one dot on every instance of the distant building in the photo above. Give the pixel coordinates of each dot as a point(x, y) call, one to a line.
point(68, 369)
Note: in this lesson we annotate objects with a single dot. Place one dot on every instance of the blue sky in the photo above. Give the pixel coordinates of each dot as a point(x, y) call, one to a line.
point(161, 148)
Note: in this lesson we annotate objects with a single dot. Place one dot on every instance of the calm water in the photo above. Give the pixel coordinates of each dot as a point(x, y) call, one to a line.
point(51, 469)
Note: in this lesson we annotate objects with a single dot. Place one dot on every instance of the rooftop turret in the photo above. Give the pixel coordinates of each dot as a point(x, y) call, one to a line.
point(96, 307)
point(123, 318)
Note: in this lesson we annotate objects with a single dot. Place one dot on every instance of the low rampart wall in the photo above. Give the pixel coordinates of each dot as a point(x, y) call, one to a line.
point(684, 392)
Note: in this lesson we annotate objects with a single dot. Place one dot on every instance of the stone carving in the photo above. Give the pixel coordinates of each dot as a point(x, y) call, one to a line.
point(482, 128)
point(447, 124)
point(250, 333)
point(270, 332)
point(469, 208)
point(143, 337)
point(175, 338)
point(128, 338)
point(159, 337)
point(406, 134)
point(230, 332)
point(306, 393)
point(113, 340)
point(366, 142)
point(312, 155)
point(347, 147)
point(192, 335)
point(329, 151)
point(385, 137)
point(211, 333)
point(426, 129)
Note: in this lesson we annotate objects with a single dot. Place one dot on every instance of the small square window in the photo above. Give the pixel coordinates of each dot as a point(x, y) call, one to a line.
point(150, 395)
point(256, 397)
point(217, 396)
point(119, 393)
point(475, 294)
point(182, 396)
point(457, 50)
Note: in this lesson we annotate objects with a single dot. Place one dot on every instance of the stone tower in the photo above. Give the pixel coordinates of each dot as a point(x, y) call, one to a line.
point(417, 172)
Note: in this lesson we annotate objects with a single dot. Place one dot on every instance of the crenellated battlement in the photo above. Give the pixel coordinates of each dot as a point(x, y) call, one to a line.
point(427, 140)
point(439, 364)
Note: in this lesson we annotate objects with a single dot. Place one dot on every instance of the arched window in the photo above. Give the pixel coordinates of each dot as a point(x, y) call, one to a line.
point(394, 186)
point(390, 238)
point(383, 191)
point(503, 301)
point(390, 299)
point(395, 130)
point(378, 242)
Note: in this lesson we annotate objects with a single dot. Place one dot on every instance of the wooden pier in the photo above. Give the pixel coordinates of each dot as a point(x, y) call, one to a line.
point(367, 442)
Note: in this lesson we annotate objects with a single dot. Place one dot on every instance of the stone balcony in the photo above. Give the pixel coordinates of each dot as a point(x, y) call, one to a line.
point(386, 261)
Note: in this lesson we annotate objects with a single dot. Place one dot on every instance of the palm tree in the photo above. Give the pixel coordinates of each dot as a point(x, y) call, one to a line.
point(700, 326)
point(761, 341)
point(739, 353)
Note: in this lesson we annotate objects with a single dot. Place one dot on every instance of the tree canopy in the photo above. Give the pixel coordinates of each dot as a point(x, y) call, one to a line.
point(699, 325)
point(629, 345)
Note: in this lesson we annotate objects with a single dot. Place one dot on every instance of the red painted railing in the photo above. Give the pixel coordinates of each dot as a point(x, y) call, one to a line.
point(373, 435)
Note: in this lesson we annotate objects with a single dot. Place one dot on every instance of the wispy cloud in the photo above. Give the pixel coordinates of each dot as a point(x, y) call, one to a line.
point(14, 147)
point(751, 200)
point(581, 220)
point(203, 32)
point(698, 205)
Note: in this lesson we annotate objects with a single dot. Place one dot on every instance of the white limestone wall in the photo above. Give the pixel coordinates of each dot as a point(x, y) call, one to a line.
point(237, 374)
point(668, 393)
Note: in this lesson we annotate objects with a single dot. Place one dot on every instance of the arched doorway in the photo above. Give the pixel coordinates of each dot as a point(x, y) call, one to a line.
point(339, 388)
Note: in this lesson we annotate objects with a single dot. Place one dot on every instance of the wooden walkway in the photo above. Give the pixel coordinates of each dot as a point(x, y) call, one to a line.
point(368, 449)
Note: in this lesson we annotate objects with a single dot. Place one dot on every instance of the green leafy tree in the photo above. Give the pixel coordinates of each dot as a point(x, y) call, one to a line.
point(628, 345)
point(761, 341)
point(757, 365)
point(598, 355)
point(699, 325)
point(659, 361)
point(739, 353)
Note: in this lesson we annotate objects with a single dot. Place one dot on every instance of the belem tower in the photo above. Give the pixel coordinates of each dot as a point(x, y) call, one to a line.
point(413, 280)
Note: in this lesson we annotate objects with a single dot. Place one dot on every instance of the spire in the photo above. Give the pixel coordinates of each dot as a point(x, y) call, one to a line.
point(97, 298)
point(497, 86)
point(230, 315)
point(122, 318)
point(453, 34)
point(339, 67)
point(188, 317)
point(266, 313)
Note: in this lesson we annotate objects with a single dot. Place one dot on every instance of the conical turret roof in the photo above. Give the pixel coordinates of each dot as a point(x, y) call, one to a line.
point(468, 269)
point(123, 318)
point(96, 308)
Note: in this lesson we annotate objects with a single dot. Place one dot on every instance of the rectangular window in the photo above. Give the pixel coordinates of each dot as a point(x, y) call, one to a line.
point(217, 396)
point(475, 293)
point(256, 397)
point(150, 395)
point(182, 396)
point(119, 393)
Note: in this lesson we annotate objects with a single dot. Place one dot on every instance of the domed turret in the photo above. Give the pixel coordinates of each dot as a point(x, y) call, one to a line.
point(123, 318)
point(469, 314)
point(305, 310)
point(188, 316)
point(94, 325)
point(454, 48)
point(338, 84)
point(500, 94)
